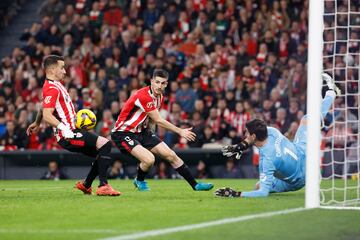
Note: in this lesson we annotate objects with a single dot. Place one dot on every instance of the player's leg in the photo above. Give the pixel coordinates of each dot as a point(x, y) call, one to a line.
point(94, 146)
point(301, 133)
point(129, 143)
point(178, 164)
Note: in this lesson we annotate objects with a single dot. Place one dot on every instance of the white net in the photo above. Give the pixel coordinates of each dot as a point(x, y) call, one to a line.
point(340, 180)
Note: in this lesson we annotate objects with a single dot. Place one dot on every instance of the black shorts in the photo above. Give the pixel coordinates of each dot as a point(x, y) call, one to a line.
point(126, 141)
point(84, 142)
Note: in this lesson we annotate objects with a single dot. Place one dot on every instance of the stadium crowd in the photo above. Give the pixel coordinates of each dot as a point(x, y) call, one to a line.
point(228, 61)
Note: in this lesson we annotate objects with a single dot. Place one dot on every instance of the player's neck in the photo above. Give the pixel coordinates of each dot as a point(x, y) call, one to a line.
point(260, 144)
point(52, 77)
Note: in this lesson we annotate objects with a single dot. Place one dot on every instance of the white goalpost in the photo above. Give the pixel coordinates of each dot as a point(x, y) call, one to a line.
point(332, 172)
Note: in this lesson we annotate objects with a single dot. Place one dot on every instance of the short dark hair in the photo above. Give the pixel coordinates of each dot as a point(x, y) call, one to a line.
point(257, 127)
point(51, 60)
point(160, 73)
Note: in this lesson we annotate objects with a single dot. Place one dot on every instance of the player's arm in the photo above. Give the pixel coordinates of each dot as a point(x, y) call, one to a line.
point(266, 179)
point(52, 120)
point(35, 126)
point(183, 132)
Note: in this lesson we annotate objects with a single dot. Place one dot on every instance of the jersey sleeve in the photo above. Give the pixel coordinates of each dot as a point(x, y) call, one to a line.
point(266, 180)
point(145, 102)
point(50, 97)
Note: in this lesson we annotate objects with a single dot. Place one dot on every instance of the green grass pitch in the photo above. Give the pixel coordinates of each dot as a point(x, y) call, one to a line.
point(54, 210)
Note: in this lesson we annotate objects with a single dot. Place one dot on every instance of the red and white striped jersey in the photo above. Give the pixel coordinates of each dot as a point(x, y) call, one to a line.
point(133, 117)
point(56, 96)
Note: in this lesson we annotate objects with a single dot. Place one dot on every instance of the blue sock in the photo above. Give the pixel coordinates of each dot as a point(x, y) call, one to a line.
point(327, 102)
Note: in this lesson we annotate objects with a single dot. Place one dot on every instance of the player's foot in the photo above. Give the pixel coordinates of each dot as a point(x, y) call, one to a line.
point(107, 190)
point(330, 83)
point(80, 185)
point(141, 185)
point(203, 186)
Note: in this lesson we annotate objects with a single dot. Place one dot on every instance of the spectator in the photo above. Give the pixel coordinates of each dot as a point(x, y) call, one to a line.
point(186, 96)
point(54, 172)
point(230, 170)
point(202, 170)
point(117, 171)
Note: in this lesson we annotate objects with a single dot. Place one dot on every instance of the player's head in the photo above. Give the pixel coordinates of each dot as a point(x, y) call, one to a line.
point(256, 130)
point(159, 81)
point(54, 67)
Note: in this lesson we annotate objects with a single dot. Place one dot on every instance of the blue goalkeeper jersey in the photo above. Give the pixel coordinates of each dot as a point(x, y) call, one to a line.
point(281, 166)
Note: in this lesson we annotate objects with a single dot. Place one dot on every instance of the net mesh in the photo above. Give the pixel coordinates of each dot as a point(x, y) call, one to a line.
point(340, 180)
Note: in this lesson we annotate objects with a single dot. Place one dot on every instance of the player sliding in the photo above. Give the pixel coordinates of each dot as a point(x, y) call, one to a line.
point(282, 162)
point(58, 111)
point(134, 133)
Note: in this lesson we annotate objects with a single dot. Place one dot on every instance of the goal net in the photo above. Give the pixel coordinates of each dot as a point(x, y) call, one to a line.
point(340, 151)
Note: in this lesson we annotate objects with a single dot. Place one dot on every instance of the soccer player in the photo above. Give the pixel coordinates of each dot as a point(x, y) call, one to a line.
point(58, 111)
point(282, 162)
point(134, 132)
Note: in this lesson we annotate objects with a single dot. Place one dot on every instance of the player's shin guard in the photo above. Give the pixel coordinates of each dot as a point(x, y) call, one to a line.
point(94, 171)
point(184, 171)
point(104, 162)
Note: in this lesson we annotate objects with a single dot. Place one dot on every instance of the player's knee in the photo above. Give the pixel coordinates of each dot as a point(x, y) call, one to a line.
point(149, 160)
point(106, 148)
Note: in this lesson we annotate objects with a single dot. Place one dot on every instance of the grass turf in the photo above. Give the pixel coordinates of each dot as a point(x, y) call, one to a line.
point(54, 210)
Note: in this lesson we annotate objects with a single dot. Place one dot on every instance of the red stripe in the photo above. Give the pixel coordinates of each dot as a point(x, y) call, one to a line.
point(126, 146)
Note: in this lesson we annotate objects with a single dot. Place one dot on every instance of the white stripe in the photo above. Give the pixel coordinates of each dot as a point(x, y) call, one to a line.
point(202, 225)
point(132, 120)
point(58, 231)
point(69, 105)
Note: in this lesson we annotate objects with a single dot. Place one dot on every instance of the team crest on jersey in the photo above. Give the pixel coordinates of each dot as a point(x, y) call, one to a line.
point(47, 99)
point(150, 104)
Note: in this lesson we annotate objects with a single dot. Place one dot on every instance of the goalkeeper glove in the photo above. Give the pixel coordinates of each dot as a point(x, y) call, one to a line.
point(237, 149)
point(227, 192)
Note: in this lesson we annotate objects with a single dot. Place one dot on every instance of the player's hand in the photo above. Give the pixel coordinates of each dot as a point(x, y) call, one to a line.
point(33, 128)
point(237, 149)
point(187, 134)
point(227, 192)
point(67, 133)
point(231, 150)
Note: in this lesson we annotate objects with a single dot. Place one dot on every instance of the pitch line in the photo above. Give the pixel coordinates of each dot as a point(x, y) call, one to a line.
point(202, 225)
point(55, 231)
point(29, 189)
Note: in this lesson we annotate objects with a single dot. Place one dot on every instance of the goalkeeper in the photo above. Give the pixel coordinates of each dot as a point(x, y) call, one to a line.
point(282, 162)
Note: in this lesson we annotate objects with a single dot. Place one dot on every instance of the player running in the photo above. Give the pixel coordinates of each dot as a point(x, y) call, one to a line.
point(282, 162)
point(58, 111)
point(134, 133)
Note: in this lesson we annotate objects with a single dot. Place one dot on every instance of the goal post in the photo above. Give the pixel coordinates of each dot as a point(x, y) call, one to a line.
point(333, 172)
point(314, 67)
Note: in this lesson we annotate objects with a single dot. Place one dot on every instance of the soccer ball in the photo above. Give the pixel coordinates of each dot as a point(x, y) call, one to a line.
point(85, 119)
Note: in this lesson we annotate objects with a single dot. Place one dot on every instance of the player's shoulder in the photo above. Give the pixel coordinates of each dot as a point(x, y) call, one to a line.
point(273, 131)
point(144, 93)
point(50, 86)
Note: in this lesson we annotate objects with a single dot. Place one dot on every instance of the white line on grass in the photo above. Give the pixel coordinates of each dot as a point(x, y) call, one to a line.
point(30, 189)
point(201, 225)
point(54, 231)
